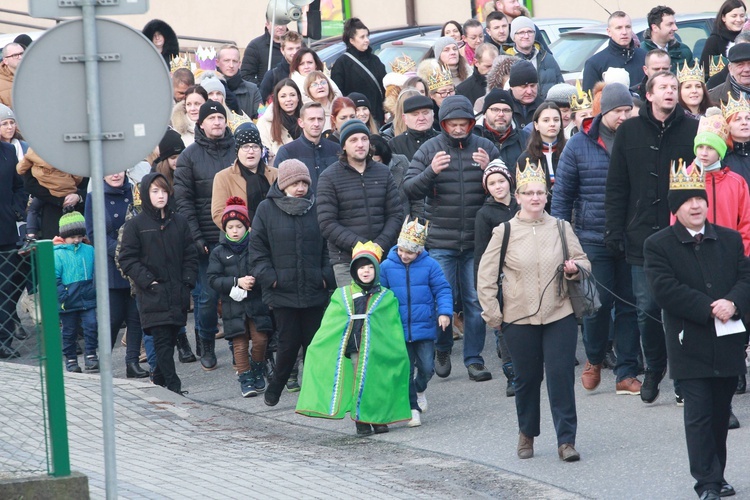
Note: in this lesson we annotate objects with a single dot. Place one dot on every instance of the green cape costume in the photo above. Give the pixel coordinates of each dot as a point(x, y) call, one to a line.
point(379, 392)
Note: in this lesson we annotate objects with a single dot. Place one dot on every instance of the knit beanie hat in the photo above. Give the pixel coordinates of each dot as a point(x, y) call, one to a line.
point(417, 102)
point(615, 95)
point(522, 73)
point(676, 197)
point(561, 94)
point(498, 167)
point(291, 171)
point(72, 223)
point(360, 99)
point(616, 75)
point(441, 43)
point(497, 96)
point(236, 209)
point(351, 127)
point(212, 84)
point(685, 182)
point(712, 131)
point(6, 113)
point(247, 134)
point(171, 144)
point(519, 23)
point(210, 107)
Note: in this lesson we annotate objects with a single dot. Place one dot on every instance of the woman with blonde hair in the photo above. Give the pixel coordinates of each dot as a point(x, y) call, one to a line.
point(318, 88)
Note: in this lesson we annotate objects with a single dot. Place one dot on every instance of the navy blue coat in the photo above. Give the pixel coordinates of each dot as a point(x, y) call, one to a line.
point(631, 58)
point(316, 157)
point(581, 182)
point(422, 291)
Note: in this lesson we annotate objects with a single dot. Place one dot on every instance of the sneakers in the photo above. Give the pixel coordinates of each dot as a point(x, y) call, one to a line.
point(91, 363)
point(292, 385)
point(478, 373)
point(442, 363)
point(629, 386)
point(525, 446)
point(568, 453)
point(71, 366)
point(259, 381)
point(363, 429)
point(416, 419)
point(591, 376)
point(247, 384)
point(28, 242)
point(421, 402)
point(678, 399)
point(650, 386)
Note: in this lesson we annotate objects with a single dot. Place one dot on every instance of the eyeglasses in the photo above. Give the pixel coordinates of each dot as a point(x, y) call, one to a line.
point(525, 33)
point(250, 147)
point(532, 194)
point(319, 83)
point(446, 93)
point(19, 55)
point(507, 111)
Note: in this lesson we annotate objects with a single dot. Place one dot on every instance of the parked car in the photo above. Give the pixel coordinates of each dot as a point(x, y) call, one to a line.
point(574, 48)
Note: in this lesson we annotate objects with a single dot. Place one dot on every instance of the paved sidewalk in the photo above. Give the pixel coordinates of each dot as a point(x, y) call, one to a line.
point(171, 447)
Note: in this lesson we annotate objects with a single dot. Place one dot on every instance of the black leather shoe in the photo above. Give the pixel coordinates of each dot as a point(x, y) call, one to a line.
point(726, 490)
point(363, 429)
point(379, 429)
point(8, 353)
point(271, 398)
point(709, 495)
point(134, 370)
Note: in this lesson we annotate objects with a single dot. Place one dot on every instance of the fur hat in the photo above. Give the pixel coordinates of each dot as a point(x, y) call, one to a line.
point(72, 223)
point(236, 209)
point(291, 171)
point(500, 71)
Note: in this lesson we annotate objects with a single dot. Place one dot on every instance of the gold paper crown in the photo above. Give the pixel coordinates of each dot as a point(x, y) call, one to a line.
point(413, 235)
point(530, 173)
point(679, 178)
point(717, 64)
point(236, 120)
point(368, 248)
point(582, 100)
point(715, 123)
point(440, 77)
point(179, 62)
point(403, 64)
point(690, 73)
point(734, 105)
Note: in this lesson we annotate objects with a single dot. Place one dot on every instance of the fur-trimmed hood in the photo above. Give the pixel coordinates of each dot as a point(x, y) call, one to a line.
point(171, 44)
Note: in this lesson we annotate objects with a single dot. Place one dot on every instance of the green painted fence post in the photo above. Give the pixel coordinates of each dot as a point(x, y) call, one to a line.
point(52, 358)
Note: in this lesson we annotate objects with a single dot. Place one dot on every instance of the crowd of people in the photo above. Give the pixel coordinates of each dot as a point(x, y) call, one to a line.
point(360, 221)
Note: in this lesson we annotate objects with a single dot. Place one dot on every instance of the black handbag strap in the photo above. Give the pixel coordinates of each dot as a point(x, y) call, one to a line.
point(504, 247)
point(563, 239)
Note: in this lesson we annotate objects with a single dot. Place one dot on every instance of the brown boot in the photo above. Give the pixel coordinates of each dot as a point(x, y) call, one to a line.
point(568, 453)
point(525, 446)
point(591, 376)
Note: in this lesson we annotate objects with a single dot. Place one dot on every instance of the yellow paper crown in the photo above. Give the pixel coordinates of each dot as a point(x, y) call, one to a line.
point(440, 77)
point(179, 62)
point(690, 73)
point(734, 105)
point(236, 120)
point(367, 248)
point(402, 64)
point(582, 100)
point(679, 178)
point(717, 64)
point(530, 173)
point(413, 235)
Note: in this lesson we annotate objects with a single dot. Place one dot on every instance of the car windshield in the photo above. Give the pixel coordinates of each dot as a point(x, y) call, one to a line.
point(572, 52)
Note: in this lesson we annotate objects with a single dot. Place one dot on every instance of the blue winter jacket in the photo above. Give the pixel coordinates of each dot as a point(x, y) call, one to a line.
point(581, 181)
point(422, 291)
point(74, 270)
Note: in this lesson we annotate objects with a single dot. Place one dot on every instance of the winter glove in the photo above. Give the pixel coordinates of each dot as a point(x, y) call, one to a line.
point(238, 294)
point(616, 248)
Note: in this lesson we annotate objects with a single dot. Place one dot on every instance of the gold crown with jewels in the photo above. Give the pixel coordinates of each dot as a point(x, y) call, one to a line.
point(690, 73)
point(530, 173)
point(236, 120)
point(679, 178)
point(734, 105)
point(413, 235)
point(440, 77)
point(582, 100)
point(179, 62)
point(717, 64)
point(367, 248)
point(403, 64)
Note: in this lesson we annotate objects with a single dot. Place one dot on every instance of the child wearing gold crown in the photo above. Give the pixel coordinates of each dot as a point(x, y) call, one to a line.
point(425, 302)
point(361, 323)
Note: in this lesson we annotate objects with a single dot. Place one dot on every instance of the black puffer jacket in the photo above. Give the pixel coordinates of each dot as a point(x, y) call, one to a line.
point(194, 182)
point(456, 194)
point(738, 159)
point(161, 250)
point(354, 207)
point(635, 203)
point(287, 249)
point(350, 77)
point(225, 266)
point(410, 141)
point(255, 59)
point(473, 87)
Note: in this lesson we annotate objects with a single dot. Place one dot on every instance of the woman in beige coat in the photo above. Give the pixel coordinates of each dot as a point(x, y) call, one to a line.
point(538, 323)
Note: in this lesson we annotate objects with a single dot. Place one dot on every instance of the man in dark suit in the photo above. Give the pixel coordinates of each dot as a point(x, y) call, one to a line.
point(700, 278)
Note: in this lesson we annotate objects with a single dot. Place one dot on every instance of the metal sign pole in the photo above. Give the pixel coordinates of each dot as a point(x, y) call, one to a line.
point(273, 27)
point(100, 245)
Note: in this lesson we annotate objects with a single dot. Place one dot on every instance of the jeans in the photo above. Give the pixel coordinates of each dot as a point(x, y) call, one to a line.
point(615, 274)
point(205, 301)
point(652, 333)
point(421, 364)
point(122, 307)
point(148, 343)
point(460, 265)
point(70, 321)
point(165, 340)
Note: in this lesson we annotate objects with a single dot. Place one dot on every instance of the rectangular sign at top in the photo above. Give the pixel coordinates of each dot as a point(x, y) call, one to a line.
point(72, 8)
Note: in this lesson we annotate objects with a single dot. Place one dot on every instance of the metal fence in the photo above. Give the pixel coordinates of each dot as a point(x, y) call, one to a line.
point(33, 427)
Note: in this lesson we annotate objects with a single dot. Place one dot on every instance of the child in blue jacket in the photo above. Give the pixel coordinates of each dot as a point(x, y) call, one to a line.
point(74, 270)
point(425, 302)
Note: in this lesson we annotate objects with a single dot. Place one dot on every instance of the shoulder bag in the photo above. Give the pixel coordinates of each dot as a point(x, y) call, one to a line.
point(583, 294)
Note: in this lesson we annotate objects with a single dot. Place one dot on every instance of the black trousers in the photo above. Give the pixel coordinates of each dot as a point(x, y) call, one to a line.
point(122, 307)
point(537, 349)
point(165, 340)
point(296, 328)
point(707, 406)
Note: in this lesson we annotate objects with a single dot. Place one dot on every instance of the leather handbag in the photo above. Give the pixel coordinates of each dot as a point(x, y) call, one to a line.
point(583, 293)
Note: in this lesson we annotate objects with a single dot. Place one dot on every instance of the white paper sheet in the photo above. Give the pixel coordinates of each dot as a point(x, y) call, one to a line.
point(730, 327)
